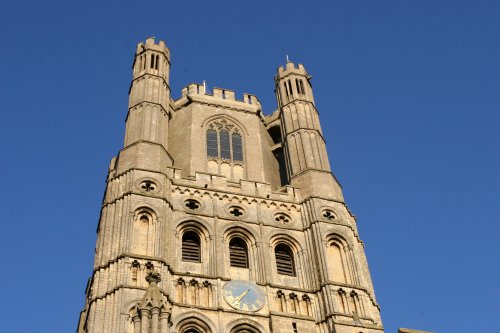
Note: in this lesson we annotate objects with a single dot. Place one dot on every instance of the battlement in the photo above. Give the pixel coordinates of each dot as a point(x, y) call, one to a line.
point(242, 187)
point(150, 44)
point(220, 94)
point(291, 68)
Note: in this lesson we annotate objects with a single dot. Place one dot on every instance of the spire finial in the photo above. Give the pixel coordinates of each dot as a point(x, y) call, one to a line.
point(153, 277)
point(287, 60)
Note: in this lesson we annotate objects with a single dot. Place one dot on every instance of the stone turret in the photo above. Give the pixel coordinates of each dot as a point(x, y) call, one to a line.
point(304, 146)
point(147, 123)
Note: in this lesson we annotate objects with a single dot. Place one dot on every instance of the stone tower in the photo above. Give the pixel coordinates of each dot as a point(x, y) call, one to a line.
point(218, 219)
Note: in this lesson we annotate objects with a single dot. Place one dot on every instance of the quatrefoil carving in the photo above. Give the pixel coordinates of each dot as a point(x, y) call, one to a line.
point(192, 204)
point(236, 211)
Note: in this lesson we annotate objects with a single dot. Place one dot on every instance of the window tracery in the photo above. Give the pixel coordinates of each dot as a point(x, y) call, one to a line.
point(225, 155)
point(224, 141)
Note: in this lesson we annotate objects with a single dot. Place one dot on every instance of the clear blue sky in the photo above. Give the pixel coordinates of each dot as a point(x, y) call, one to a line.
point(408, 94)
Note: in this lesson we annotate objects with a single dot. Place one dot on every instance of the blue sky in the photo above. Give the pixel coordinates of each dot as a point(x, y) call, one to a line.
point(408, 95)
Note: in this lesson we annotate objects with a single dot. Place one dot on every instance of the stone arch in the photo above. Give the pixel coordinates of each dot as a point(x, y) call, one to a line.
point(340, 264)
point(240, 230)
point(249, 237)
point(287, 239)
point(233, 120)
point(194, 223)
point(341, 233)
point(244, 326)
point(201, 228)
point(144, 232)
point(194, 321)
point(225, 140)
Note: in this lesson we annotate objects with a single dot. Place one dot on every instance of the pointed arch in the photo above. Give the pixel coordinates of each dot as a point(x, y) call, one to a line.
point(225, 142)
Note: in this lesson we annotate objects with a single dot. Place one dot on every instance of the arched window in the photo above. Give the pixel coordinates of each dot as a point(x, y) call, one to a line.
point(224, 142)
point(238, 253)
point(191, 249)
point(191, 330)
point(244, 328)
point(225, 155)
point(284, 260)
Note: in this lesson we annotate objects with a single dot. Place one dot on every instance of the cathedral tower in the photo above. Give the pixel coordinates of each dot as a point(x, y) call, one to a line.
point(218, 219)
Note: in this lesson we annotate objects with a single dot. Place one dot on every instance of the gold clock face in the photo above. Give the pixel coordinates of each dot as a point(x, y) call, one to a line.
point(244, 295)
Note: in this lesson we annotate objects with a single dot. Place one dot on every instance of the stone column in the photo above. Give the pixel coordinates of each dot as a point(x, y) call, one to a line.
point(144, 321)
point(164, 328)
point(137, 324)
point(155, 312)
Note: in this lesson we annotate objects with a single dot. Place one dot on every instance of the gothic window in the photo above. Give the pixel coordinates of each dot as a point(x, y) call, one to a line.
point(224, 142)
point(191, 249)
point(238, 253)
point(225, 149)
point(284, 260)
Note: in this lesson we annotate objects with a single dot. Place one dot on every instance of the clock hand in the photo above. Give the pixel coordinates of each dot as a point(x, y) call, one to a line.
point(237, 299)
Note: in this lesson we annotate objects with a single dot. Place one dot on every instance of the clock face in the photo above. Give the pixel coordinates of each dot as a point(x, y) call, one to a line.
point(244, 295)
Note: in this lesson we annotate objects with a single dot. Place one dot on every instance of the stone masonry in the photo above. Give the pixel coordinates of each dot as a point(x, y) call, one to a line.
point(208, 190)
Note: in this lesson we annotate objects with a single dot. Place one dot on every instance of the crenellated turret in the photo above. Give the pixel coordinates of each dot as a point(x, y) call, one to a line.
point(293, 84)
point(148, 117)
point(304, 145)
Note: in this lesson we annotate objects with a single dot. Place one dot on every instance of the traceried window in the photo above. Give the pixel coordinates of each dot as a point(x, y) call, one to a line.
point(225, 149)
point(224, 141)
